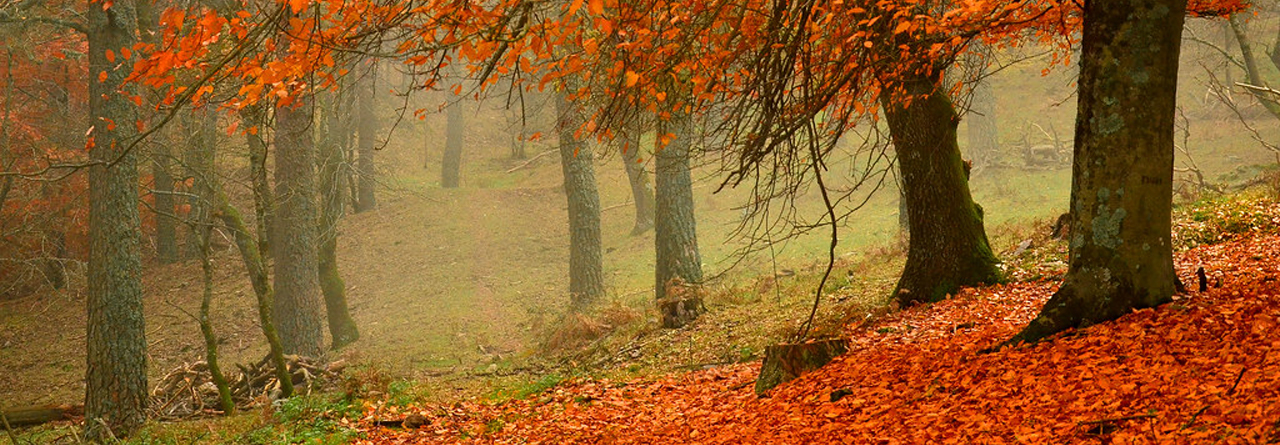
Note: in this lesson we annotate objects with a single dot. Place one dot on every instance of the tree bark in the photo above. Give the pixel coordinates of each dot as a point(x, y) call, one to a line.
point(586, 263)
point(166, 230)
point(297, 302)
point(451, 166)
point(228, 406)
point(641, 190)
point(983, 137)
point(116, 377)
point(257, 270)
point(678, 265)
point(948, 245)
point(1261, 72)
point(342, 328)
point(1121, 189)
point(200, 167)
point(368, 129)
point(254, 117)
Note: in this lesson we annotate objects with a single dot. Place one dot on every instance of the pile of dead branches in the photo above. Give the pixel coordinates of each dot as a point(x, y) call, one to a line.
point(188, 390)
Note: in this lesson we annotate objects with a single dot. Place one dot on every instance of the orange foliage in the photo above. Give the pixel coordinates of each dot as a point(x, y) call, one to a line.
point(1204, 369)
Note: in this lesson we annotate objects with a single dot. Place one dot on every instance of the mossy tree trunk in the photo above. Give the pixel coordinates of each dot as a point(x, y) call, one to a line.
point(204, 229)
point(641, 188)
point(297, 302)
point(203, 128)
point(257, 270)
point(948, 245)
point(116, 372)
point(678, 264)
point(1122, 176)
point(254, 117)
point(342, 328)
point(586, 262)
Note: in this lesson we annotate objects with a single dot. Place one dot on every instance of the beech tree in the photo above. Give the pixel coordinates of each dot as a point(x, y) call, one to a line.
point(1121, 254)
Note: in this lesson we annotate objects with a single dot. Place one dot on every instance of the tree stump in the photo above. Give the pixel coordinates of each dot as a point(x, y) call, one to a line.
point(785, 362)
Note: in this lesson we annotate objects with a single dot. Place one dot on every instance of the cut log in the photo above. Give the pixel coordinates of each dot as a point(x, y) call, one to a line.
point(37, 415)
point(785, 362)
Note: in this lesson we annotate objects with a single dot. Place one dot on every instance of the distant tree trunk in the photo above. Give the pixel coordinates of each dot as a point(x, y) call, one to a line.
point(297, 302)
point(641, 190)
point(341, 326)
point(368, 129)
point(517, 128)
point(257, 269)
point(678, 264)
point(254, 117)
point(451, 166)
point(1260, 72)
point(1122, 177)
point(116, 377)
point(984, 138)
point(586, 263)
point(948, 246)
point(200, 167)
point(166, 231)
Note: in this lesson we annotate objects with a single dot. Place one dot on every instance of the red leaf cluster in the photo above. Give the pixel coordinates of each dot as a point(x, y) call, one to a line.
point(1198, 370)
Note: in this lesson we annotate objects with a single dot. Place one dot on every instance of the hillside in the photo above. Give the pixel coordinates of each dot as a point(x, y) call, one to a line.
point(1202, 369)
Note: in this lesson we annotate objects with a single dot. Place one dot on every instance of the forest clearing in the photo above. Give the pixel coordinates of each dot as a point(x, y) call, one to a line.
point(639, 221)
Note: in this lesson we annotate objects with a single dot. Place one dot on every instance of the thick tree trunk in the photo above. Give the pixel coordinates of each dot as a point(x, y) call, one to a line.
point(586, 263)
point(678, 265)
point(367, 126)
point(1121, 183)
point(297, 302)
point(641, 190)
point(116, 377)
point(454, 130)
point(341, 326)
point(263, 202)
point(948, 246)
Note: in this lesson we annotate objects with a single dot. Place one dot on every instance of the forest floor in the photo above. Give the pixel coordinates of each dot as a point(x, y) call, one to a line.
point(1202, 369)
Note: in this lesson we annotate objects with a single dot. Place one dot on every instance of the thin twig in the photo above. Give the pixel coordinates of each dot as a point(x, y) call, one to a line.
point(530, 161)
point(1117, 419)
